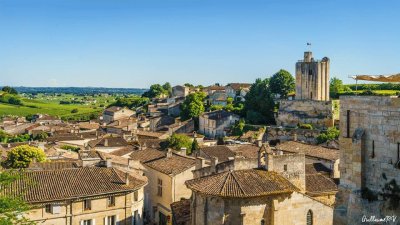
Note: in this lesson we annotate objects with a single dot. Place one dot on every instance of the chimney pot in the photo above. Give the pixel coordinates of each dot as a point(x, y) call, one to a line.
point(106, 142)
point(108, 163)
point(127, 178)
point(169, 153)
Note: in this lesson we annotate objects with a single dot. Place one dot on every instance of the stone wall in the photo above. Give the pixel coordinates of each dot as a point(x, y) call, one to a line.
point(294, 112)
point(291, 166)
point(369, 152)
point(274, 133)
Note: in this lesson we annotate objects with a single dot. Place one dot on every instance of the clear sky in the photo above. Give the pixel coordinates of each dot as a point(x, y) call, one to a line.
point(121, 43)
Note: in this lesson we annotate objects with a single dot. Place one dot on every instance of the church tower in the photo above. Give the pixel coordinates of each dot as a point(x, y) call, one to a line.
point(312, 78)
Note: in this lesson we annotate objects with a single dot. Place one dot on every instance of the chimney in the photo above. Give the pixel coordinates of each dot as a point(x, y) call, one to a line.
point(106, 142)
point(214, 162)
point(127, 178)
point(183, 151)
point(143, 146)
point(169, 153)
point(200, 163)
point(108, 163)
point(295, 137)
point(8, 145)
point(259, 143)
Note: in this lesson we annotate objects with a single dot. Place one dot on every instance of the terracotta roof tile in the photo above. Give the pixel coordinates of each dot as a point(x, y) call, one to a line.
point(221, 152)
point(146, 155)
point(59, 185)
point(181, 212)
point(242, 184)
point(318, 183)
point(247, 151)
point(309, 150)
point(173, 165)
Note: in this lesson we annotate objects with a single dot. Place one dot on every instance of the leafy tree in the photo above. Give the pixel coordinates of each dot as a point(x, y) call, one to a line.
point(237, 128)
point(188, 85)
point(156, 90)
point(179, 141)
point(195, 145)
point(4, 136)
point(21, 156)
point(335, 87)
point(74, 111)
point(9, 90)
point(11, 207)
point(193, 106)
point(259, 104)
point(167, 88)
point(131, 102)
point(282, 83)
point(41, 136)
point(331, 134)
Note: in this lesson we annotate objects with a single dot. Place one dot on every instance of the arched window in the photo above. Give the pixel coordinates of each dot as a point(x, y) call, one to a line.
point(262, 222)
point(309, 217)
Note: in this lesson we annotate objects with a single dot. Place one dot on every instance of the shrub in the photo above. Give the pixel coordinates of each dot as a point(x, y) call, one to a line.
point(21, 156)
point(306, 126)
point(74, 111)
point(70, 148)
point(331, 134)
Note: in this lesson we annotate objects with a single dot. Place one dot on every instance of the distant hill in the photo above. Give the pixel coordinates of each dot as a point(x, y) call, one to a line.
point(80, 90)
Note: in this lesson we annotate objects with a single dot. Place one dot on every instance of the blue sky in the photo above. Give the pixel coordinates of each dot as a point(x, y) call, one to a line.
point(120, 43)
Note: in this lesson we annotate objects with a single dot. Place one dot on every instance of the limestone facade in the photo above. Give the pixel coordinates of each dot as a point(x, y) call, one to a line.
point(294, 112)
point(312, 78)
point(369, 155)
point(128, 209)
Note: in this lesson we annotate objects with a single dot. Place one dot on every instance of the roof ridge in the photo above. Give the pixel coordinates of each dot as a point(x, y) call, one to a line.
point(235, 178)
point(224, 183)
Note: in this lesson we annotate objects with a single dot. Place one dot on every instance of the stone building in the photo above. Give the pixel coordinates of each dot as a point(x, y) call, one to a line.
point(370, 158)
point(180, 91)
point(115, 113)
point(312, 105)
point(86, 195)
point(167, 176)
point(214, 124)
point(253, 196)
point(312, 78)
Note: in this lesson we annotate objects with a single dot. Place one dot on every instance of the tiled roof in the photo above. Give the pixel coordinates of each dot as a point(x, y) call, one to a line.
point(152, 143)
point(113, 109)
point(181, 212)
point(64, 137)
point(150, 134)
point(247, 151)
point(219, 114)
point(221, 152)
point(123, 151)
point(54, 165)
point(59, 185)
point(84, 154)
point(173, 165)
point(309, 150)
point(318, 183)
point(146, 155)
point(242, 184)
point(313, 168)
point(111, 142)
point(238, 86)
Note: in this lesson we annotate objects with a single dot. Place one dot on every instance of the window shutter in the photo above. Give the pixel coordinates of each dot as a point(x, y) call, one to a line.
point(81, 223)
point(105, 221)
point(117, 219)
point(93, 222)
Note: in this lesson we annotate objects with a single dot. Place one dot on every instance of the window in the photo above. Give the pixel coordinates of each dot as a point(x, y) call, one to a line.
point(285, 167)
point(86, 222)
point(87, 204)
point(48, 208)
point(111, 220)
point(348, 123)
point(135, 196)
point(111, 201)
point(309, 217)
point(159, 188)
point(262, 222)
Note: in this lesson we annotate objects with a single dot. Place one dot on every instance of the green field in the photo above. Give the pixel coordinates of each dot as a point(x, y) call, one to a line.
point(50, 104)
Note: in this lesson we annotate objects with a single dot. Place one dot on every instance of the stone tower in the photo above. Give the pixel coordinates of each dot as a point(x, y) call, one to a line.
point(312, 78)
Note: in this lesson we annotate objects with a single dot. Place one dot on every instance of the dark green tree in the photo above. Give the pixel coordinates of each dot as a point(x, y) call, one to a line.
point(195, 145)
point(9, 90)
point(156, 90)
point(193, 106)
point(179, 141)
point(282, 83)
point(259, 104)
point(167, 88)
point(336, 87)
